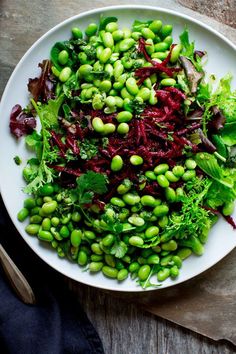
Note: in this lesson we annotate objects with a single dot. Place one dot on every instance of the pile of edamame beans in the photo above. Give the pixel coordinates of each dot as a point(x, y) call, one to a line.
point(146, 250)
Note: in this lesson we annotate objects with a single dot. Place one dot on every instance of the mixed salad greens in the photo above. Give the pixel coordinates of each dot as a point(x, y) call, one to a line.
point(133, 157)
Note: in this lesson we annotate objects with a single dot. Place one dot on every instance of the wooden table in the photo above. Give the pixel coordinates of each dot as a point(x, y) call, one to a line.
point(123, 327)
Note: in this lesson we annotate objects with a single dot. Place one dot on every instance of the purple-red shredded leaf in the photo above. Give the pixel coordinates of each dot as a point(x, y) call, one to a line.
point(42, 87)
point(21, 123)
point(217, 121)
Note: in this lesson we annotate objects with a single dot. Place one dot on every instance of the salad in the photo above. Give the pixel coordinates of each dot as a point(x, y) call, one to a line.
point(132, 150)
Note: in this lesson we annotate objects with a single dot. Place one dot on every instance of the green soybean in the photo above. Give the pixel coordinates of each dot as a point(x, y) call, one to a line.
point(110, 272)
point(168, 82)
point(169, 246)
point(144, 272)
point(110, 260)
point(153, 259)
point(123, 128)
point(46, 224)
point(108, 40)
point(190, 164)
point(188, 175)
point(109, 128)
point(45, 236)
point(171, 176)
point(170, 194)
point(161, 47)
point(98, 125)
point(151, 231)
point(29, 203)
point(151, 175)
point(175, 53)
point(178, 171)
point(118, 35)
point(116, 163)
point(147, 33)
point(117, 201)
point(134, 267)
point(122, 274)
point(77, 33)
point(124, 116)
point(111, 27)
point(49, 207)
point(163, 274)
point(161, 210)
point(65, 74)
point(23, 214)
point(131, 199)
point(155, 26)
point(63, 57)
point(136, 220)
point(90, 235)
point(161, 169)
point(75, 237)
point(177, 261)
point(105, 55)
point(95, 266)
point(126, 44)
point(32, 229)
point(108, 240)
point(132, 86)
point(91, 29)
point(148, 200)
point(166, 30)
point(82, 258)
point(163, 221)
point(184, 253)
point(136, 160)
point(162, 181)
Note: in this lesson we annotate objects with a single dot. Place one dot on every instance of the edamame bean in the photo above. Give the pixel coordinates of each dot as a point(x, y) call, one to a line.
point(169, 246)
point(163, 274)
point(105, 55)
point(153, 259)
point(126, 44)
point(161, 169)
point(163, 221)
point(109, 128)
point(171, 177)
point(174, 272)
point(82, 258)
point(95, 266)
point(170, 194)
point(110, 272)
point(190, 164)
point(65, 74)
point(168, 82)
point(108, 240)
point(144, 272)
point(177, 261)
point(98, 125)
point(96, 258)
point(108, 40)
point(144, 93)
point(123, 128)
point(134, 267)
point(147, 33)
point(178, 171)
point(151, 231)
point(148, 200)
point(161, 47)
point(32, 229)
point(46, 190)
point(84, 70)
point(116, 163)
point(151, 175)
point(175, 53)
point(23, 214)
point(49, 207)
point(124, 116)
point(188, 175)
point(91, 29)
point(90, 235)
point(96, 248)
point(153, 98)
point(29, 203)
point(75, 237)
point(155, 26)
point(136, 220)
point(111, 27)
point(162, 181)
point(131, 199)
point(184, 253)
point(161, 210)
point(46, 224)
point(132, 86)
point(63, 57)
point(166, 30)
point(118, 35)
point(122, 274)
point(110, 260)
point(136, 160)
point(77, 33)
point(45, 236)
point(64, 231)
point(117, 201)
point(228, 208)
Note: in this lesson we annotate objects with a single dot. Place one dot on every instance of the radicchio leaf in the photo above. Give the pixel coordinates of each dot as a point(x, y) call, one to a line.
point(217, 121)
point(192, 74)
point(21, 123)
point(42, 87)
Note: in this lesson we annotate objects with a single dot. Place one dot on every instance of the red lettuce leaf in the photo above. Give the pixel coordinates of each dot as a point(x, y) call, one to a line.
point(42, 87)
point(21, 123)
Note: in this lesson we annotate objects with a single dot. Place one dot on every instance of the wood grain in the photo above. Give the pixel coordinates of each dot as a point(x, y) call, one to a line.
point(123, 326)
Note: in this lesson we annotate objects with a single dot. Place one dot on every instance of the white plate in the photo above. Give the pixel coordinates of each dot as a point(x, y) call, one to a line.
point(221, 53)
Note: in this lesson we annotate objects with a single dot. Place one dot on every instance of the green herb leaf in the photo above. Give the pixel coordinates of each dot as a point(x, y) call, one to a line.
point(119, 249)
point(88, 184)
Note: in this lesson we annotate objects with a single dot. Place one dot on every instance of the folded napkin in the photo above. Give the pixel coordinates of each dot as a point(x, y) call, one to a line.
point(56, 324)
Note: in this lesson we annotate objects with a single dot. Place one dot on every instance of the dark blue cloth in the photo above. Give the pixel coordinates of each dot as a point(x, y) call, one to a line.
point(56, 324)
